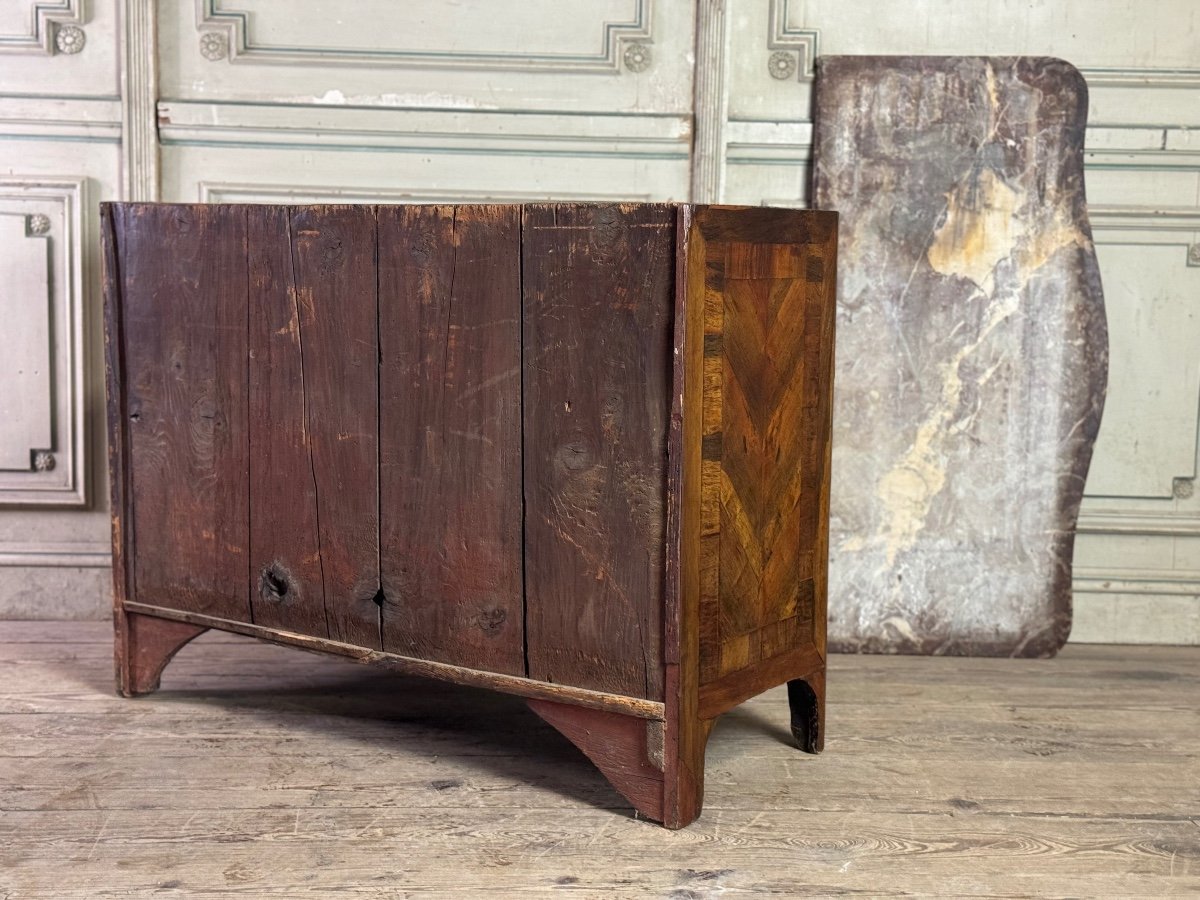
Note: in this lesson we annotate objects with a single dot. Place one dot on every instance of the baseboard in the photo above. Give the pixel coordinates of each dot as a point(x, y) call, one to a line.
point(1137, 616)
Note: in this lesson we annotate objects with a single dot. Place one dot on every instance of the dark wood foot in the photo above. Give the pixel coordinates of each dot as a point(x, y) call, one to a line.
point(627, 750)
point(145, 644)
point(806, 697)
point(685, 774)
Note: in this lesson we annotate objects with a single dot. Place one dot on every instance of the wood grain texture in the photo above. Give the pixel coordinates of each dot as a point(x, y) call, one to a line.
point(767, 389)
point(523, 687)
point(119, 470)
point(577, 453)
point(450, 432)
point(333, 259)
point(628, 751)
point(287, 587)
point(768, 348)
point(182, 292)
point(145, 644)
point(686, 732)
point(723, 694)
point(1003, 778)
point(597, 370)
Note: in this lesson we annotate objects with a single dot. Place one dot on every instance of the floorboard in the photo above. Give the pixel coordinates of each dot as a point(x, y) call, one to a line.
point(262, 771)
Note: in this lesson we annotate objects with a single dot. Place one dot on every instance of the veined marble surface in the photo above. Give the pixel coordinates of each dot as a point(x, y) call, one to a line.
point(972, 350)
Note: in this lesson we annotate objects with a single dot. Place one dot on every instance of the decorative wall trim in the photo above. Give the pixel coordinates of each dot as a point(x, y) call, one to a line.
point(1150, 601)
point(82, 554)
point(1181, 224)
point(69, 39)
point(1139, 522)
point(53, 28)
point(240, 45)
point(1102, 76)
point(1174, 513)
point(234, 192)
point(60, 119)
point(65, 484)
point(637, 56)
point(786, 37)
point(26, 347)
point(781, 65)
point(711, 102)
point(768, 143)
point(425, 131)
point(1134, 217)
point(140, 166)
point(1141, 160)
point(1183, 582)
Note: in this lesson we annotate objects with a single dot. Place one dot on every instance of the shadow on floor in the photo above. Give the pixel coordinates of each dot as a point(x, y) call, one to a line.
point(481, 730)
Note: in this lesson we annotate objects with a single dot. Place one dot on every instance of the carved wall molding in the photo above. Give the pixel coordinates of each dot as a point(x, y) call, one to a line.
point(75, 119)
point(425, 130)
point(234, 39)
point(69, 39)
point(1144, 217)
point(73, 555)
point(140, 164)
point(242, 192)
point(54, 27)
point(785, 38)
point(214, 45)
point(1140, 77)
point(785, 35)
point(1140, 524)
point(637, 56)
point(711, 93)
point(55, 470)
point(781, 65)
point(1174, 510)
point(1185, 582)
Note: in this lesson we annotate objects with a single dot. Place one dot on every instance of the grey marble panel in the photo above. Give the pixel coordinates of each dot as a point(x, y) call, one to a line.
point(972, 350)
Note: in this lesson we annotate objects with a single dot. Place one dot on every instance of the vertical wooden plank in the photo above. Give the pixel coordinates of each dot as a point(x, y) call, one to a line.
point(450, 435)
point(333, 262)
point(183, 286)
point(287, 589)
point(685, 733)
point(709, 271)
point(120, 495)
point(598, 296)
point(821, 275)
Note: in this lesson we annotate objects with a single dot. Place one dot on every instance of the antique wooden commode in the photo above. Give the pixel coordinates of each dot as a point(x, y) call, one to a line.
point(578, 453)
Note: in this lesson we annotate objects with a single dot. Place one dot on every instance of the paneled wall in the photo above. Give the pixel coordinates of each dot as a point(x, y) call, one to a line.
point(1137, 573)
point(377, 101)
point(60, 153)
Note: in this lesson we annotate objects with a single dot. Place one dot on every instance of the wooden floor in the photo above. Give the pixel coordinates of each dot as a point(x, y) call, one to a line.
point(267, 772)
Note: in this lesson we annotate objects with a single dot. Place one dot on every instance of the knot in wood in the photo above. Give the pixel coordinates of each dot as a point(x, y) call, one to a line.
point(274, 583)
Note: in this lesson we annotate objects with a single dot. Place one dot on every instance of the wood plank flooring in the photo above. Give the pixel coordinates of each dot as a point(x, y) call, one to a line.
point(261, 771)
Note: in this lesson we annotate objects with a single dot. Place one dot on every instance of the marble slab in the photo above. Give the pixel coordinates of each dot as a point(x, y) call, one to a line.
point(972, 350)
